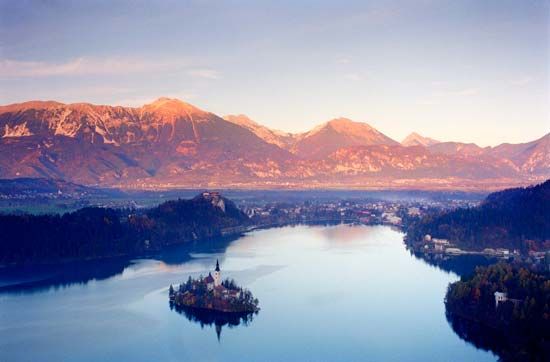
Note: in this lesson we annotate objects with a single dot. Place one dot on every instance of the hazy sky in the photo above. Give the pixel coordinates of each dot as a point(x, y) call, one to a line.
point(473, 71)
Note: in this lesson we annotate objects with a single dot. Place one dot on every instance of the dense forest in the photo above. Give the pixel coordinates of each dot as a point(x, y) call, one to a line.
point(522, 322)
point(514, 218)
point(95, 232)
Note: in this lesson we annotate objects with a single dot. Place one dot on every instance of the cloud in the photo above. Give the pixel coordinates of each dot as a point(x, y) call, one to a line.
point(522, 81)
point(439, 83)
point(343, 59)
point(464, 92)
point(204, 73)
point(427, 102)
point(355, 77)
point(85, 66)
point(445, 88)
point(441, 95)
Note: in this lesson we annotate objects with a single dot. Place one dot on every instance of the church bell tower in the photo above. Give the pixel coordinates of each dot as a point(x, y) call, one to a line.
point(217, 275)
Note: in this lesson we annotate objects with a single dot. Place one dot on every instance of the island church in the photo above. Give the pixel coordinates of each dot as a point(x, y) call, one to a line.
point(216, 280)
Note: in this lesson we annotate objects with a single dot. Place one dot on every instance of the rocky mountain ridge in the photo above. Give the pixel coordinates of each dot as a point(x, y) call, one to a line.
point(170, 143)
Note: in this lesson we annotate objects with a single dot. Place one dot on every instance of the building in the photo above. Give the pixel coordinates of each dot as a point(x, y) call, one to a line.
point(503, 252)
point(500, 297)
point(454, 251)
point(440, 241)
point(209, 282)
point(210, 194)
point(217, 275)
point(413, 211)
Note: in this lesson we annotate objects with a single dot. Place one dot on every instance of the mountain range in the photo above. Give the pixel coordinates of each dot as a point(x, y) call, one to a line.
point(169, 143)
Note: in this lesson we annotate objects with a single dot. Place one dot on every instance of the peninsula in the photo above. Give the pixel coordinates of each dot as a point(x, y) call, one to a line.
point(503, 308)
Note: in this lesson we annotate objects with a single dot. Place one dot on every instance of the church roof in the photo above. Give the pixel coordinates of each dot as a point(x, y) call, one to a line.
point(209, 279)
point(217, 266)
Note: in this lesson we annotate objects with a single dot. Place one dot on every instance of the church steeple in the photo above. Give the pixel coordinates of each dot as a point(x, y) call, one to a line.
point(217, 274)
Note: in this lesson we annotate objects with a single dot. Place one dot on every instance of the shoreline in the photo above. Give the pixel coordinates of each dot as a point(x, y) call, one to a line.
point(226, 233)
point(206, 309)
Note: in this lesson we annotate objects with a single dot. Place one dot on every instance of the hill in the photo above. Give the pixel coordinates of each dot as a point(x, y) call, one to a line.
point(517, 329)
point(94, 232)
point(514, 218)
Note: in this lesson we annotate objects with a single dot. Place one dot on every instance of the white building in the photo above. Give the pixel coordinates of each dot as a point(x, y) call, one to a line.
point(209, 282)
point(440, 241)
point(500, 297)
point(454, 251)
point(217, 275)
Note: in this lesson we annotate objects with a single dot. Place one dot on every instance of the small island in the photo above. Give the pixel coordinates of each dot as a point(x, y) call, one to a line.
point(213, 294)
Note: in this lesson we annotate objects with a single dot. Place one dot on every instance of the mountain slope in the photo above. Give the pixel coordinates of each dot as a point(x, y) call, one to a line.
point(531, 157)
point(414, 139)
point(338, 133)
point(96, 232)
point(169, 143)
point(101, 144)
point(279, 138)
point(455, 148)
point(514, 218)
point(415, 162)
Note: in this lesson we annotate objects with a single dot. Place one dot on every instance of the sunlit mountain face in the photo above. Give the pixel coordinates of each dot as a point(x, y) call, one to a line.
point(170, 143)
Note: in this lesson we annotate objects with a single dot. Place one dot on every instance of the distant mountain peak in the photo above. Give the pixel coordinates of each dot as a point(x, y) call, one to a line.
point(171, 142)
point(338, 133)
point(30, 105)
point(273, 136)
point(342, 125)
point(172, 106)
point(414, 139)
point(347, 125)
point(240, 119)
point(340, 120)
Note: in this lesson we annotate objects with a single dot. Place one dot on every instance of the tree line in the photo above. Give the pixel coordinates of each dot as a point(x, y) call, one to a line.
point(96, 232)
point(514, 218)
point(523, 321)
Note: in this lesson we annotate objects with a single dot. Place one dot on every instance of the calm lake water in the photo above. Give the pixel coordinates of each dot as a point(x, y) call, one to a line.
point(342, 293)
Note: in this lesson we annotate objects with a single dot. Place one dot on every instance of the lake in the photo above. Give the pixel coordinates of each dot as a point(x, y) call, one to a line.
point(341, 293)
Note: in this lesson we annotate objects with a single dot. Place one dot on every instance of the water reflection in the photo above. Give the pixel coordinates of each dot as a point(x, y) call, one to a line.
point(217, 319)
point(303, 275)
point(462, 265)
point(41, 278)
point(507, 346)
point(45, 277)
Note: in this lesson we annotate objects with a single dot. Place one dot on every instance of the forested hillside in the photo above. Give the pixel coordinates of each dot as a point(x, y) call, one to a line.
point(515, 218)
point(102, 232)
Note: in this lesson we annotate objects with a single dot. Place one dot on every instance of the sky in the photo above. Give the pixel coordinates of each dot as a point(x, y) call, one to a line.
point(470, 71)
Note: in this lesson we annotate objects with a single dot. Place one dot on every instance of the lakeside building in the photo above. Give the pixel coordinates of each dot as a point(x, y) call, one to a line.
point(500, 297)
